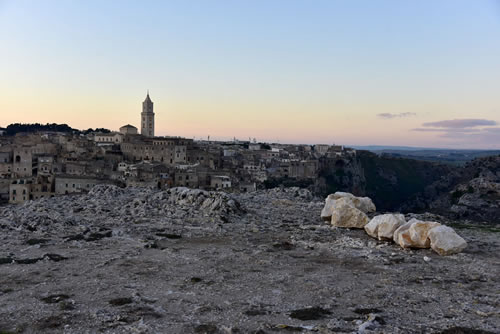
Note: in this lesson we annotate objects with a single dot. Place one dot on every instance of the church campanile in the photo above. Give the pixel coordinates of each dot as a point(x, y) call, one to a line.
point(147, 118)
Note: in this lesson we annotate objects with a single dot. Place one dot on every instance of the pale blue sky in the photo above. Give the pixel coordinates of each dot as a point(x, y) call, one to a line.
point(294, 71)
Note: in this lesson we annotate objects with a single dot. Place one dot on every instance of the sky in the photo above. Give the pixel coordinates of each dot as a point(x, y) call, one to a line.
point(387, 72)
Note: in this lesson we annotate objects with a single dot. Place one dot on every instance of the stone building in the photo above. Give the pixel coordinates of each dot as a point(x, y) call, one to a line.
point(186, 178)
point(6, 156)
point(67, 184)
point(5, 164)
point(77, 168)
point(321, 149)
point(46, 165)
point(128, 130)
point(23, 162)
point(248, 187)
point(169, 150)
point(147, 118)
point(220, 182)
point(20, 191)
point(4, 190)
point(108, 138)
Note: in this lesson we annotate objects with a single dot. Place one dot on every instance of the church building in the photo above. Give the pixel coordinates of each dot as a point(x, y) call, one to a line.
point(147, 118)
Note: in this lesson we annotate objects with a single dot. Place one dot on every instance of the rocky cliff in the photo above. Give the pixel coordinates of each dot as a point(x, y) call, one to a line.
point(399, 184)
point(473, 194)
point(190, 261)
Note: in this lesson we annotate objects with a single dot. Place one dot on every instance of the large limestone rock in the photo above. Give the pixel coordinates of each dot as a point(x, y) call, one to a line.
point(401, 235)
point(414, 234)
point(445, 241)
point(419, 233)
point(363, 204)
point(382, 227)
point(326, 213)
point(346, 215)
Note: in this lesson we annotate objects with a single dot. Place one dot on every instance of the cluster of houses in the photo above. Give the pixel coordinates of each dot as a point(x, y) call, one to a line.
point(36, 165)
point(47, 164)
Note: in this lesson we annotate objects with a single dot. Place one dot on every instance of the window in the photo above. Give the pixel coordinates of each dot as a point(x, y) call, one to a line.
point(14, 191)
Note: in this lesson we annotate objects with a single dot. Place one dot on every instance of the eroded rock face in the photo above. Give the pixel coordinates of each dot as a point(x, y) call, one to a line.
point(346, 215)
point(445, 241)
point(382, 227)
point(364, 204)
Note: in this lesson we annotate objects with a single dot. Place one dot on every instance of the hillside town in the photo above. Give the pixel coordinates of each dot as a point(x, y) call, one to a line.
point(49, 163)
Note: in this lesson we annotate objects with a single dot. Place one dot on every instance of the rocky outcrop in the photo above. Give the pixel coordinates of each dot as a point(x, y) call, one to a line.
point(456, 192)
point(474, 195)
point(382, 227)
point(76, 214)
point(445, 241)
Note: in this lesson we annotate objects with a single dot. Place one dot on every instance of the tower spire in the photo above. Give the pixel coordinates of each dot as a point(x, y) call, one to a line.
point(147, 117)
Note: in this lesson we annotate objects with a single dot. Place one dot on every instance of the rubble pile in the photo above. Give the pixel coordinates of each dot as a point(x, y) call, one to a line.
point(109, 205)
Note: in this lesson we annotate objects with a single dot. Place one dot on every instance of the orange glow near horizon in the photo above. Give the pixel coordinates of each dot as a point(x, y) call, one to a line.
point(336, 72)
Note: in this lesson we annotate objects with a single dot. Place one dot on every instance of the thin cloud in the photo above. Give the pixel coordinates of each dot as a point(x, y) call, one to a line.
point(465, 132)
point(454, 130)
point(492, 130)
point(386, 115)
point(460, 123)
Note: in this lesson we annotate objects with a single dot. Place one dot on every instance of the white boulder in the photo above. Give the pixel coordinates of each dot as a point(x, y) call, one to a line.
point(326, 213)
point(382, 227)
point(346, 215)
point(414, 234)
point(445, 241)
point(363, 204)
point(419, 233)
point(401, 235)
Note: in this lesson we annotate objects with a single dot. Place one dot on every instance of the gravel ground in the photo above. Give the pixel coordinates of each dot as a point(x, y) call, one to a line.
point(189, 261)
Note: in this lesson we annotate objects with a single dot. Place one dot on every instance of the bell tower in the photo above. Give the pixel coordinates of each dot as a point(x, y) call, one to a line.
point(147, 118)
